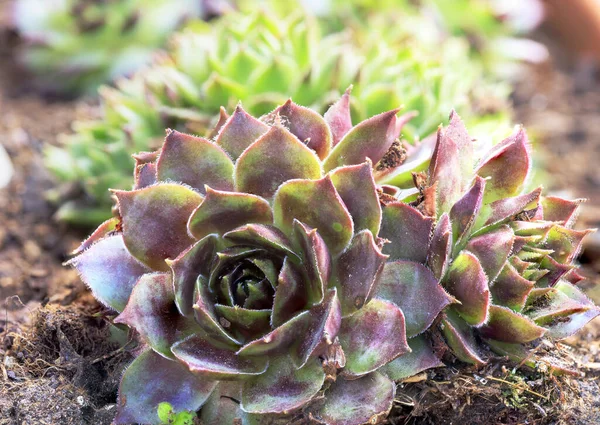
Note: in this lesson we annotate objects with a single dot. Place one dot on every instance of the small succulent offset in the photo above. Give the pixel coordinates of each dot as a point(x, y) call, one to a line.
point(75, 45)
point(262, 58)
point(505, 255)
point(252, 267)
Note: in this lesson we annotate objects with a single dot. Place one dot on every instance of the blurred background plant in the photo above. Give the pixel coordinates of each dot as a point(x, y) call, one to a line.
point(262, 58)
point(73, 46)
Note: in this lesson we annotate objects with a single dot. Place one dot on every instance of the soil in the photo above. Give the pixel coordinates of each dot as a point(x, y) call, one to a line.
point(60, 363)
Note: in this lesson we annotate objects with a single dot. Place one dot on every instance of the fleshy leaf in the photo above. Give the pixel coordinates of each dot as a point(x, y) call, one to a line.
point(221, 212)
point(338, 117)
point(105, 229)
point(466, 209)
point(276, 157)
point(152, 312)
point(316, 259)
point(145, 175)
point(357, 272)
point(248, 323)
point(209, 361)
point(282, 387)
point(507, 165)
point(109, 270)
point(508, 326)
point(155, 222)
point(503, 209)
point(413, 288)
point(440, 247)
point(220, 408)
point(560, 210)
point(261, 236)
point(308, 126)
point(369, 139)
point(194, 161)
point(194, 261)
point(356, 187)
point(445, 172)
point(317, 204)
point(408, 232)
point(492, 249)
point(421, 357)
point(239, 132)
point(350, 402)
point(510, 289)
point(373, 336)
point(291, 295)
point(566, 243)
point(460, 339)
point(457, 131)
point(223, 117)
point(151, 379)
point(467, 281)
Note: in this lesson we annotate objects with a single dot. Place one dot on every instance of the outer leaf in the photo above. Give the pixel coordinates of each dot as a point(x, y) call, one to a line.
point(356, 187)
point(445, 172)
point(560, 210)
point(492, 249)
point(221, 212)
point(413, 288)
point(152, 312)
point(507, 326)
point(457, 131)
point(504, 209)
point(152, 379)
point(338, 117)
point(155, 222)
point(460, 339)
point(510, 289)
point(370, 139)
point(282, 387)
point(408, 232)
point(220, 408)
point(276, 157)
point(308, 126)
point(421, 357)
point(365, 400)
point(194, 261)
point(373, 336)
point(105, 229)
point(239, 132)
point(209, 361)
point(109, 270)
point(317, 204)
point(357, 272)
point(194, 161)
point(467, 281)
point(566, 243)
point(440, 247)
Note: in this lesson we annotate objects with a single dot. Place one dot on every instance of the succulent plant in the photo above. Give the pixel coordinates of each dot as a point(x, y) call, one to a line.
point(74, 46)
point(505, 254)
point(262, 59)
point(251, 268)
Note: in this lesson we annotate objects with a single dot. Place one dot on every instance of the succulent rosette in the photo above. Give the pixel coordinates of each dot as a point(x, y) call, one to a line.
point(505, 254)
point(251, 267)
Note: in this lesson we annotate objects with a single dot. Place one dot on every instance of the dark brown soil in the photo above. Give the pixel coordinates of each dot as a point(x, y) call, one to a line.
point(60, 366)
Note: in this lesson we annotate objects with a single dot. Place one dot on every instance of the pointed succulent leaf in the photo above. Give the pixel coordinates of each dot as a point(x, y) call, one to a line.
point(194, 261)
point(351, 402)
point(282, 387)
point(248, 323)
point(507, 166)
point(413, 288)
point(338, 117)
point(261, 236)
point(239, 132)
point(566, 243)
point(560, 210)
point(373, 336)
point(155, 220)
point(276, 157)
point(466, 280)
point(151, 379)
point(308, 126)
point(212, 134)
point(291, 295)
point(109, 270)
point(317, 204)
point(152, 312)
point(407, 230)
point(510, 289)
point(107, 228)
point(492, 249)
point(370, 139)
point(509, 326)
point(221, 212)
point(421, 357)
point(145, 175)
point(503, 209)
point(440, 247)
point(208, 360)
point(222, 406)
point(554, 271)
point(316, 259)
point(457, 131)
point(445, 172)
point(464, 212)
point(357, 272)
point(194, 161)
point(459, 337)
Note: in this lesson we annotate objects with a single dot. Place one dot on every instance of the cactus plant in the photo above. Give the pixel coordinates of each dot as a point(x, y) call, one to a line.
point(262, 59)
